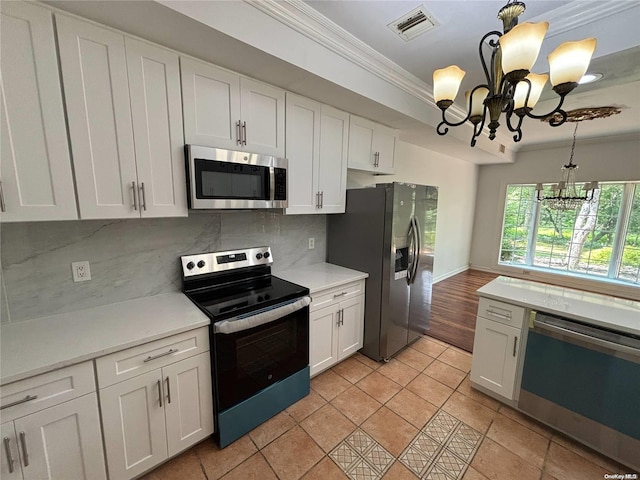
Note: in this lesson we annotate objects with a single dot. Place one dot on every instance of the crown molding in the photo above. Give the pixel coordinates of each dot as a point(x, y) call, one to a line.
point(579, 13)
point(300, 17)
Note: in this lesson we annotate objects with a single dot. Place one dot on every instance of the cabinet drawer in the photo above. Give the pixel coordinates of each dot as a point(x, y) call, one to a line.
point(336, 295)
point(135, 361)
point(501, 312)
point(43, 391)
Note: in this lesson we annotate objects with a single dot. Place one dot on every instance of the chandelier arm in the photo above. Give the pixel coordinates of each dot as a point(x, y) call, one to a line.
point(558, 110)
point(517, 130)
point(477, 129)
point(494, 46)
point(442, 129)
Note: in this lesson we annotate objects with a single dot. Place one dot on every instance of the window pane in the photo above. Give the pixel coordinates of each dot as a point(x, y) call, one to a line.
point(518, 216)
point(580, 240)
point(630, 264)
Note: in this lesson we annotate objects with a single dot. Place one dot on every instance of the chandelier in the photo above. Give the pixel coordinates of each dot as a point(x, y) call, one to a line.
point(565, 194)
point(510, 87)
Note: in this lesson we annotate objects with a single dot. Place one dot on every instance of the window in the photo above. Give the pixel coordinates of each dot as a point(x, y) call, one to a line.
point(600, 239)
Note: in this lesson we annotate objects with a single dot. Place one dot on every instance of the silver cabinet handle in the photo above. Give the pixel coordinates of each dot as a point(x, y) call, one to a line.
point(25, 454)
point(168, 391)
point(336, 295)
point(338, 320)
point(3, 207)
point(244, 133)
point(321, 199)
point(160, 392)
point(143, 199)
point(515, 343)
point(238, 133)
point(317, 199)
point(7, 449)
point(506, 316)
point(342, 316)
point(28, 398)
point(135, 200)
point(169, 352)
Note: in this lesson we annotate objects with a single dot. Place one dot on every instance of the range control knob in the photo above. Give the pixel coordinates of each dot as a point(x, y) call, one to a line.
point(190, 265)
point(267, 254)
point(201, 264)
point(258, 256)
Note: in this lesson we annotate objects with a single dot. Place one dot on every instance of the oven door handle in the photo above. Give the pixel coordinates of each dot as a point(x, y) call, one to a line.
point(240, 324)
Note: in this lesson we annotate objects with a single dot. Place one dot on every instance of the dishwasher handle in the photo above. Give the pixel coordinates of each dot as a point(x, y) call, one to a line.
point(585, 340)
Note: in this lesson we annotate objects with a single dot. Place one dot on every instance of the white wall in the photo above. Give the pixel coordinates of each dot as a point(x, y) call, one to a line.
point(616, 159)
point(456, 182)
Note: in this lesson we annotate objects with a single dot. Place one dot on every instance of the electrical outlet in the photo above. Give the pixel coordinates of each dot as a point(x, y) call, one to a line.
point(312, 243)
point(81, 271)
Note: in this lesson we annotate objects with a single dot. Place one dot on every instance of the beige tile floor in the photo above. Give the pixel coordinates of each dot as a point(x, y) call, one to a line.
point(416, 416)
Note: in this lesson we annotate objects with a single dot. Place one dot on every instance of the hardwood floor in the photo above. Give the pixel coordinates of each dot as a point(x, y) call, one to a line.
point(454, 304)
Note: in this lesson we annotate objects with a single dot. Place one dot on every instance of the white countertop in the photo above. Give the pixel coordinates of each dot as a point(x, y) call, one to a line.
point(602, 310)
point(321, 276)
point(48, 343)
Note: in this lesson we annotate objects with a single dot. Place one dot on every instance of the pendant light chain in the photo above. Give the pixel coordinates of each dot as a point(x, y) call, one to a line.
point(573, 145)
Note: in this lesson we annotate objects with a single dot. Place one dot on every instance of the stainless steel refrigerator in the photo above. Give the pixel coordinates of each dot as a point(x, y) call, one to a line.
point(389, 232)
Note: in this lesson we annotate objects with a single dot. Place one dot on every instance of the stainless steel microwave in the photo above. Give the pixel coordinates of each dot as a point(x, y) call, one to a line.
point(218, 178)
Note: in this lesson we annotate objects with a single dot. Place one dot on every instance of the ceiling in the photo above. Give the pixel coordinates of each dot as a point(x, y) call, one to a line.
point(463, 23)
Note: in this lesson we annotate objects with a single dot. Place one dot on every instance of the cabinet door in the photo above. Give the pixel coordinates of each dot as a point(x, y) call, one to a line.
point(303, 150)
point(384, 144)
point(262, 114)
point(189, 403)
point(9, 454)
point(211, 105)
point(94, 72)
point(134, 425)
point(351, 329)
point(332, 170)
point(361, 144)
point(62, 442)
point(495, 357)
point(322, 339)
point(154, 84)
point(37, 183)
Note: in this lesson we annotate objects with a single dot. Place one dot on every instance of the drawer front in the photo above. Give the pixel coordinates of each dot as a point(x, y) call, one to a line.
point(335, 295)
point(43, 391)
point(501, 312)
point(144, 358)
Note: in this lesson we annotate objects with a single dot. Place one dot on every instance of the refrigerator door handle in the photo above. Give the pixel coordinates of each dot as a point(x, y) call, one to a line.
point(418, 247)
point(411, 251)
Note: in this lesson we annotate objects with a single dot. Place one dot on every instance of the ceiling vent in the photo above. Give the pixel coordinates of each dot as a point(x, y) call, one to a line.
point(413, 24)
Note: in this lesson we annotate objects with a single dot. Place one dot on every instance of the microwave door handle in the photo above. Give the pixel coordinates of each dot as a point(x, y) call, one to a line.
point(272, 183)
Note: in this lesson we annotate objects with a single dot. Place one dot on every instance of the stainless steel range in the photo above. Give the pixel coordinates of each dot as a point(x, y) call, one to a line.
point(259, 336)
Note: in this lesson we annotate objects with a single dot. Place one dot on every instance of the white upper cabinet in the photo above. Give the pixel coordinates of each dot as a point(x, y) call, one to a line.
point(154, 84)
point(262, 113)
point(36, 178)
point(211, 104)
point(224, 110)
point(303, 153)
point(105, 101)
point(371, 146)
point(332, 171)
point(317, 142)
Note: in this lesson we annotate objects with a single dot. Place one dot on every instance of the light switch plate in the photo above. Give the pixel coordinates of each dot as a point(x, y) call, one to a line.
point(81, 271)
point(312, 243)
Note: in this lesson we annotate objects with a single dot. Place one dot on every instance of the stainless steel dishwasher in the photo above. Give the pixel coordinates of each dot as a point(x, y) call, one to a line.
point(585, 381)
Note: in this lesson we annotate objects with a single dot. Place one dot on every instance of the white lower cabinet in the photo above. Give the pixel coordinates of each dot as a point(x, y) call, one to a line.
point(153, 416)
point(497, 346)
point(62, 441)
point(336, 328)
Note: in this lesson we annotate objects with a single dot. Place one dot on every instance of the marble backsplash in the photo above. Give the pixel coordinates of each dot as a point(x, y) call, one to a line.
point(135, 258)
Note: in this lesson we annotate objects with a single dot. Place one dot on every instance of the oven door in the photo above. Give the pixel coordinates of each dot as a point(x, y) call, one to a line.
point(256, 351)
point(230, 179)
